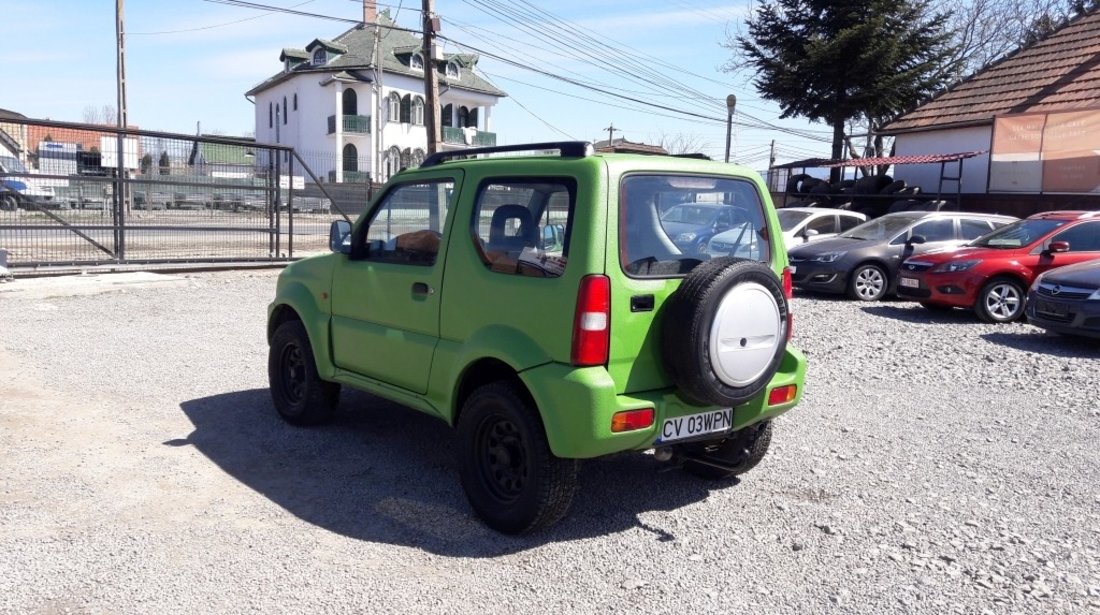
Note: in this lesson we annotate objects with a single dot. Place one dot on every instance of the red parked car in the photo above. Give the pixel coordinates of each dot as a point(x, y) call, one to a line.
point(991, 274)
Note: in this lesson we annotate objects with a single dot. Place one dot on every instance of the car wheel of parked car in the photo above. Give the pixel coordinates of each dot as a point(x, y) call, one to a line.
point(299, 394)
point(511, 478)
point(724, 331)
point(1001, 300)
point(739, 453)
point(868, 283)
point(8, 202)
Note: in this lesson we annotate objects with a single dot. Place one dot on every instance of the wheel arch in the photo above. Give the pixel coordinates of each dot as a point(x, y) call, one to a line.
point(294, 301)
point(480, 372)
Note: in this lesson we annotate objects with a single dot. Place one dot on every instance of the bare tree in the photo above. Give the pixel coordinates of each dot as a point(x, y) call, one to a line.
point(681, 143)
point(105, 115)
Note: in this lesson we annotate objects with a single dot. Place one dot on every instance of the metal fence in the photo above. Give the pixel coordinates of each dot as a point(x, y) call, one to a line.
point(68, 199)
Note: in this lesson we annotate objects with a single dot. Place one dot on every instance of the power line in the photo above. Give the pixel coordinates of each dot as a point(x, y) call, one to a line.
point(219, 25)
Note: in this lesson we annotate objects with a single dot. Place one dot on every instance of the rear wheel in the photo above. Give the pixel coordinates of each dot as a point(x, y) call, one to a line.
point(868, 283)
point(299, 394)
point(740, 452)
point(1001, 300)
point(511, 478)
point(8, 202)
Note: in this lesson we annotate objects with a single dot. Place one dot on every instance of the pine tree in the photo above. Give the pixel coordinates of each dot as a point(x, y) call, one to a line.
point(834, 61)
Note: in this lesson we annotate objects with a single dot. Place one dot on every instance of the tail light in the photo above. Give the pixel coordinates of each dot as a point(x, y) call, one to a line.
point(592, 323)
point(788, 292)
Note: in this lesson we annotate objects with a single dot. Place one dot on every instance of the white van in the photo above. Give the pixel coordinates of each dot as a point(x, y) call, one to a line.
point(20, 187)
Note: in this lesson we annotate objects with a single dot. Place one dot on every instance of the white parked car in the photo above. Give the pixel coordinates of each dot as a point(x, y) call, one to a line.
point(799, 224)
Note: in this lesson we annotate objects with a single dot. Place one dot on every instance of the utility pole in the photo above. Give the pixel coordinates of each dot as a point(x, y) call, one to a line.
point(731, 102)
point(120, 185)
point(431, 79)
point(611, 130)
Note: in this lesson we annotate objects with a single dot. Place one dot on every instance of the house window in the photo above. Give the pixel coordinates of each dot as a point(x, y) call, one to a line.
point(452, 70)
point(393, 161)
point(351, 102)
point(394, 107)
point(270, 115)
point(446, 116)
point(418, 111)
point(463, 116)
point(416, 62)
point(406, 109)
point(284, 109)
point(351, 158)
point(295, 101)
point(318, 56)
point(471, 119)
point(418, 156)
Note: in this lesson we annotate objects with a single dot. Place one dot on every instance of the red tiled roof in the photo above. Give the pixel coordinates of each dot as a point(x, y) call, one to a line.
point(1059, 73)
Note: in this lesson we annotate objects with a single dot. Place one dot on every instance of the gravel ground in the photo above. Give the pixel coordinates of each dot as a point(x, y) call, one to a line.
point(936, 465)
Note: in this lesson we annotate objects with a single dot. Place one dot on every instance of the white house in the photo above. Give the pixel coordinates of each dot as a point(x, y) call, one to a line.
point(354, 109)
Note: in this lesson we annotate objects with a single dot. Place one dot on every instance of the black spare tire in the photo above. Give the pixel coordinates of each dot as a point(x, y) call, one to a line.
point(723, 333)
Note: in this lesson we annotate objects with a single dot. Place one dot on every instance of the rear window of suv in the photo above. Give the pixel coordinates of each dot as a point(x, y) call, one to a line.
point(669, 224)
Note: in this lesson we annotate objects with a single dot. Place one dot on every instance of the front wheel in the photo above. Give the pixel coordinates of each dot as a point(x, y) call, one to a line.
point(1001, 300)
point(299, 394)
point(868, 283)
point(8, 202)
point(740, 452)
point(511, 478)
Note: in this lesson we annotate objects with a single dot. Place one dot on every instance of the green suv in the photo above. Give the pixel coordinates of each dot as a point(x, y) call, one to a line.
point(537, 304)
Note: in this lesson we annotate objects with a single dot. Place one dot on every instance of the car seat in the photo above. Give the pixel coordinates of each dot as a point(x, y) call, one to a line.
point(511, 230)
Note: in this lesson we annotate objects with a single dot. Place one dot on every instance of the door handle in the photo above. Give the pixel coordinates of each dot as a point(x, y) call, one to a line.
point(422, 289)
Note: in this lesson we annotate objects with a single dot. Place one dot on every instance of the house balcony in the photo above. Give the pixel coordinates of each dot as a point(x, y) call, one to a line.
point(453, 135)
point(351, 177)
point(352, 123)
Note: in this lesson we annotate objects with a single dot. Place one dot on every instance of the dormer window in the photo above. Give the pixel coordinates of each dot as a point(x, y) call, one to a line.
point(452, 70)
point(416, 62)
point(319, 56)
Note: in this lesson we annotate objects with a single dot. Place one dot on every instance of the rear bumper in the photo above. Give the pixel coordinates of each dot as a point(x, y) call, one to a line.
point(577, 404)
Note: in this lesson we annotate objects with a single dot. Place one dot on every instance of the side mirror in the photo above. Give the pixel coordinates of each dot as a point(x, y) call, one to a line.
point(807, 233)
point(916, 239)
point(339, 237)
point(1058, 246)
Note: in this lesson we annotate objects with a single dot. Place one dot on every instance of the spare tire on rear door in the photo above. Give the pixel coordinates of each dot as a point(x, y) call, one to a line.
point(724, 331)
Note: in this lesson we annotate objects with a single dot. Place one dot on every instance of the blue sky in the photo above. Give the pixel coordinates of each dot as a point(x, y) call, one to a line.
point(191, 61)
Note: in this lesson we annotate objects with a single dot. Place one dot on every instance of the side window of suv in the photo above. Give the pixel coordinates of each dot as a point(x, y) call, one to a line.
point(521, 225)
point(823, 225)
point(971, 228)
point(848, 223)
point(408, 226)
point(935, 230)
point(1084, 237)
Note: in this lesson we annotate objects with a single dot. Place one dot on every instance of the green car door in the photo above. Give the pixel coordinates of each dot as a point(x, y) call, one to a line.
point(386, 294)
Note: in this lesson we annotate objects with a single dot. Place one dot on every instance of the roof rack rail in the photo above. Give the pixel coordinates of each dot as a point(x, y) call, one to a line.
point(568, 149)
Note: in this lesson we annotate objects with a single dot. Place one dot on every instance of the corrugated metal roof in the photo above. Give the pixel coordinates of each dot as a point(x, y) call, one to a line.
point(1058, 73)
point(913, 159)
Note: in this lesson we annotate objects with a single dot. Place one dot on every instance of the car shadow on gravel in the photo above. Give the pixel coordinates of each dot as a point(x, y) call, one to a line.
point(915, 313)
point(383, 473)
point(1052, 344)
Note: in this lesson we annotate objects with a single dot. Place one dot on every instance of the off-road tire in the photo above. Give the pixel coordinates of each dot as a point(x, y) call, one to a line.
point(511, 478)
point(1001, 300)
point(742, 451)
point(687, 319)
point(299, 394)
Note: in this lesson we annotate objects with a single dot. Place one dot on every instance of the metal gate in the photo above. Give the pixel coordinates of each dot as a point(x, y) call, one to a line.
point(67, 198)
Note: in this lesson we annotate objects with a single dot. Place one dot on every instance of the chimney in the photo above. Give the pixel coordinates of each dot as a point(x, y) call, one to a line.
point(370, 12)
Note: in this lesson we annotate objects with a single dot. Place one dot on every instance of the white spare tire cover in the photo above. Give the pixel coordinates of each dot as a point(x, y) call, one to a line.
point(724, 331)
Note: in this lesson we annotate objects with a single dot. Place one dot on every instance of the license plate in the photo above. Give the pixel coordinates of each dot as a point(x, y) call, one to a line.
point(1050, 309)
point(692, 425)
point(909, 282)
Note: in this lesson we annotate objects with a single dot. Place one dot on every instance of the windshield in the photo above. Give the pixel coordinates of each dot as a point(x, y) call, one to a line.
point(1017, 235)
point(12, 165)
point(880, 228)
point(690, 214)
point(789, 219)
